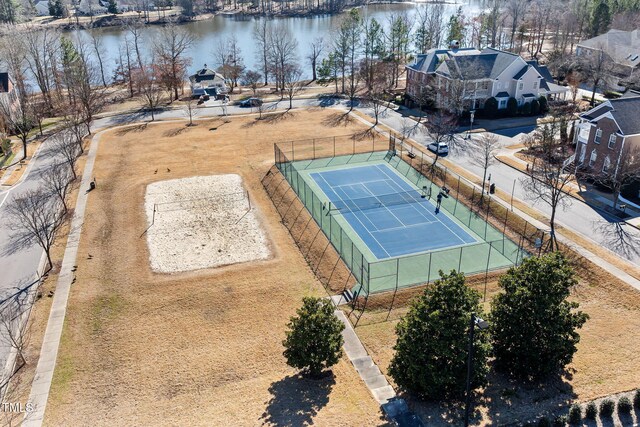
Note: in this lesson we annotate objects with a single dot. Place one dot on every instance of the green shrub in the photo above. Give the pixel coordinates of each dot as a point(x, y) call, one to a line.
point(544, 422)
point(575, 414)
point(591, 412)
point(606, 408)
point(512, 107)
point(636, 399)
point(560, 421)
point(544, 104)
point(624, 406)
point(526, 109)
point(535, 107)
point(491, 108)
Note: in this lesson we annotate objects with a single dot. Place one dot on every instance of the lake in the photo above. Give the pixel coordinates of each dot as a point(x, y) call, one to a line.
point(306, 29)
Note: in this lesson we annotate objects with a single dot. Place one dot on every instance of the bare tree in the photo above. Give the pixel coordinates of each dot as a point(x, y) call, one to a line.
point(18, 116)
point(56, 180)
point(64, 144)
point(316, 48)
point(441, 128)
point(41, 52)
point(482, 154)
point(261, 35)
point(191, 110)
point(133, 38)
point(547, 182)
point(14, 330)
point(98, 50)
point(229, 60)
point(292, 82)
point(282, 53)
point(34, 217)
point(150, 89)
point(169, 49)
point(251, 78)
point(597, 68)
point(621, 171)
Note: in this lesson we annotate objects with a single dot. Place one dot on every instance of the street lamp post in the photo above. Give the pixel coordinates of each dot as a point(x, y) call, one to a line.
point(482, 325)
point(471, 117)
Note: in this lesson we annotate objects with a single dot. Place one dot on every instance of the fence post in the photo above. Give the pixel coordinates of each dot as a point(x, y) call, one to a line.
point(486, 272)
point(429, 273)
point(293, 155)
point(334, 146)
point(354, 146)
point(460, 261)
point(314, 148)
point(486, 219)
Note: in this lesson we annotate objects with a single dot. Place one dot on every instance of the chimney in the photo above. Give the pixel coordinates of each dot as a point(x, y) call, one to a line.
point(455, 44)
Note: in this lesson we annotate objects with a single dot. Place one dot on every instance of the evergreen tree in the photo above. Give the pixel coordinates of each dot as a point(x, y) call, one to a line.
point(455, 27)
point(533, 325)
point(112, 7)
point(57, 9)
point(314, 339)
point(432, 345)
point(8, 11)
point(600, 18)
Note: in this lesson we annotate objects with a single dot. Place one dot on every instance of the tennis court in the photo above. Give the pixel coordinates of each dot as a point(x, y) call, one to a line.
point(392, 217)
point(379, 213)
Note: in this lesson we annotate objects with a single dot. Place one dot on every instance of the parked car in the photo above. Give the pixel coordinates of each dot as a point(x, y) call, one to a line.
point(441, 148)
point(251, 102)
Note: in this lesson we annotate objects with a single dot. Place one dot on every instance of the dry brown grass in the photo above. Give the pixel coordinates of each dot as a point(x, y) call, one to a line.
point(197, 348)
point(607, 360)
point(22, 167)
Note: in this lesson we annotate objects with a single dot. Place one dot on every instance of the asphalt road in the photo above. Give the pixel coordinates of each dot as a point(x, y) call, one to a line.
point(18, 266)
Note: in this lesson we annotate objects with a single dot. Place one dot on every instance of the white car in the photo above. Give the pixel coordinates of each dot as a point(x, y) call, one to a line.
point(440, 148)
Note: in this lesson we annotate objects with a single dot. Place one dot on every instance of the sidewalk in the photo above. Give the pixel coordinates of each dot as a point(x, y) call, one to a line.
point(507, 157)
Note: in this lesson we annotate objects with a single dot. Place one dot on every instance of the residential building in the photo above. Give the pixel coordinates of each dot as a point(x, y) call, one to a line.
point(207, 82)
point(603, 133)
point(42, 8)
point(622, 47)
point(8, 93)
point(473, 76)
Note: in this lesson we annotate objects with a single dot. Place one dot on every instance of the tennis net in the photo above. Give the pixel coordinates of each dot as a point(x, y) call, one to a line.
point(380, 201)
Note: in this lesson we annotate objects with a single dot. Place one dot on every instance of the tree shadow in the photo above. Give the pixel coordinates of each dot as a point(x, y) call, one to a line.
point(504, 401)
point(337, 119)
point(619, 237)
point(137, 128)
point(177, 131)
point(296, 400)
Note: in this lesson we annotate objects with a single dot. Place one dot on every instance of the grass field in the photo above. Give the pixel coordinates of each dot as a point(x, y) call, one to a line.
point(196, 348)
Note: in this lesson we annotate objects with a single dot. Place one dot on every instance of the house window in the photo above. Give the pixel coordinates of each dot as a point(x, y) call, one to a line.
point(593, 158)
point(502, 104)
point(535, 85)
point(598, 136)
point(520, 85)
point(606, 165)
point(612, 140)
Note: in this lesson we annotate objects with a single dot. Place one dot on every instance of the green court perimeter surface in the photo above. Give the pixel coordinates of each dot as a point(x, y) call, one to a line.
point(492, 251)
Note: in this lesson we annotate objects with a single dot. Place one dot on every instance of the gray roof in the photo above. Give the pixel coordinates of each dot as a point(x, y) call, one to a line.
point(622, 46)
point(542, 70)
point(428, 62)
point(206, 74)
point(502, 95)
point(625, 111)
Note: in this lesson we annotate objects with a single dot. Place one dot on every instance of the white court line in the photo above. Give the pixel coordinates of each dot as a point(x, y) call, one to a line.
point(351, 210)
point(356, 217)
point(364, 182)
point(445, 225)
point(383, 205)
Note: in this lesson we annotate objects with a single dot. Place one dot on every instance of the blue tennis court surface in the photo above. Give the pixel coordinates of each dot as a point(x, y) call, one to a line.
point(388, 213)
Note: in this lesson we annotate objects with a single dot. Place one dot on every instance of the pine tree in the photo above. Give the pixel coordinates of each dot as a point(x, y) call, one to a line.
point(456, 27)
point(112, 7)
point(600, 18)
point(8, 11)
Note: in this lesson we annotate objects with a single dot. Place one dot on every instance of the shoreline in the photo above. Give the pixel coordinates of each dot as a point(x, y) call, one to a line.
point(160, 18)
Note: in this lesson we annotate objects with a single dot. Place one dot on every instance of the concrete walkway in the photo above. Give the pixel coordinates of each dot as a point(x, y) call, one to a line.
point(395, 408)
point(49, 352)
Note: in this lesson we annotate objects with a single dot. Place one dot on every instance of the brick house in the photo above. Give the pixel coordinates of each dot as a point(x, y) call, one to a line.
point(8, 92)
point(604, 132)
point(478, 75)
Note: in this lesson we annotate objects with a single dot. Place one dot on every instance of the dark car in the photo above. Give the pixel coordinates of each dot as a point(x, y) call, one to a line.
point(251, 102)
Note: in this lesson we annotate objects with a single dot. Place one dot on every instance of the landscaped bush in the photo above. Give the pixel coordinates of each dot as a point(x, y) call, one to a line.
point(512, 107)
point(606, 408)
point(535, 107)
point(544, 422)
point(526, 109)
point(636, 399)
point(544, 104)
point(624, 406)
point(560, 421)
point(591, 412)
point(575, 414)
point(491, 108)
